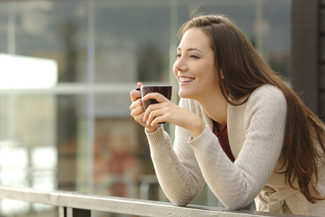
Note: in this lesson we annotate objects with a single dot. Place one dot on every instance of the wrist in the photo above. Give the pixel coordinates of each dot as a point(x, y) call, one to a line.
point(197, 128)
point(151, 129)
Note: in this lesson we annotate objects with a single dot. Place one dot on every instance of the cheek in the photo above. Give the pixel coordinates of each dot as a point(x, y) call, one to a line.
point(174, 70)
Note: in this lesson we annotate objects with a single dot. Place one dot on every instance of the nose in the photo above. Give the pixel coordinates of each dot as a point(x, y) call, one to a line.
point(180, 65)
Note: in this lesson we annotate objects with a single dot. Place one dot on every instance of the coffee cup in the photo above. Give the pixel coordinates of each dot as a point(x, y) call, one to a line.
point(165, 90)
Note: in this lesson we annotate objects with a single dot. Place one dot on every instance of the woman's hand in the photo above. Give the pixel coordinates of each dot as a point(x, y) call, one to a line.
point(166, 111)
point(137, 110)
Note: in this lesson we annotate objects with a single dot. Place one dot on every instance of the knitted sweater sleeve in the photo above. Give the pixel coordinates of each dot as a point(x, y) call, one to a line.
point(182, 170)
point(176, 168)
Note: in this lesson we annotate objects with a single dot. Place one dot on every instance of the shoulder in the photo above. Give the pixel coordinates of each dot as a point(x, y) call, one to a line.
point(267, 96)
point(266, 101)
point(267, 92)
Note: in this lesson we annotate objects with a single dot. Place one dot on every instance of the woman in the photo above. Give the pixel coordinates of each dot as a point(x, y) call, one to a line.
point(239, 127)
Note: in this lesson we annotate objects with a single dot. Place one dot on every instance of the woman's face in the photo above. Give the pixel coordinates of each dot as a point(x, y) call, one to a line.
point(194, 67)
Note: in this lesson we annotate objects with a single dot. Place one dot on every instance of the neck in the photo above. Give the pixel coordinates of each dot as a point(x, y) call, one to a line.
point(216, 109)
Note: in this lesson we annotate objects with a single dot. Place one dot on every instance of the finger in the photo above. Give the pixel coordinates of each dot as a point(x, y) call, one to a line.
point(139, 119)
point(154, 115)
point(151, 108)
point(135, 94)
point(157, 96)
point(137, 111)
point(158, 120)
point(135, 104)
point(139, 84)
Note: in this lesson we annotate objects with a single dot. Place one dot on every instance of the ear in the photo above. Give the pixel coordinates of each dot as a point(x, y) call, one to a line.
point(221, 73)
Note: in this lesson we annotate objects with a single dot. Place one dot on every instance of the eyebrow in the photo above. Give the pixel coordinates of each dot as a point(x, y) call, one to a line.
point(190, 49)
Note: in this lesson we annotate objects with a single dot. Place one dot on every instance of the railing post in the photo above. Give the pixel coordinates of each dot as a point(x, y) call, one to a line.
point(72, 212)
point(62, 211)
point(69, 212)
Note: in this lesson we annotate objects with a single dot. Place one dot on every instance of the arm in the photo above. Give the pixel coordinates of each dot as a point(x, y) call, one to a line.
point(236, 185)
point(177, 170)
point(178, 173)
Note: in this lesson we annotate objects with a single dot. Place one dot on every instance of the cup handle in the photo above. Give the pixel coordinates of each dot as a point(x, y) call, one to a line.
point(138, 89)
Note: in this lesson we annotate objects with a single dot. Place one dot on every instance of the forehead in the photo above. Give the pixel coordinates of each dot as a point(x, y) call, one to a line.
point(195, 38)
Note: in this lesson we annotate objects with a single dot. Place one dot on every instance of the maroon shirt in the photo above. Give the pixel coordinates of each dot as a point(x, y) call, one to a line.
point(223, 140)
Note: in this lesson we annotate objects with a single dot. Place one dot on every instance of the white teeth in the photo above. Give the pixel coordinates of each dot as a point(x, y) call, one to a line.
point(182, 79)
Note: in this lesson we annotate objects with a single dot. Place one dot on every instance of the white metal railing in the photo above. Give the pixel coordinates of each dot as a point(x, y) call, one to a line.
point(72, 204)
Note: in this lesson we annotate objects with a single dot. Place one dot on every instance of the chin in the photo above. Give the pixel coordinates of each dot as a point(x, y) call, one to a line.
point(184, 94)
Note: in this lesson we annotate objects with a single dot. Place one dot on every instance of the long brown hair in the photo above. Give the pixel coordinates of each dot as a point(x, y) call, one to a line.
point(244, 71)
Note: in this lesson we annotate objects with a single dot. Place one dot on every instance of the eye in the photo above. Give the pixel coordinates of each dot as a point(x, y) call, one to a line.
point(178, 55)
point(194, 56)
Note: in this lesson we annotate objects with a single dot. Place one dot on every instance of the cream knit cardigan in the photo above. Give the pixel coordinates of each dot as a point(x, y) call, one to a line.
point(256, 132)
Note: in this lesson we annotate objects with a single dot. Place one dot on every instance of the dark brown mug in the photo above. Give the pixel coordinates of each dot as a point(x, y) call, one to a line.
point(165, 90)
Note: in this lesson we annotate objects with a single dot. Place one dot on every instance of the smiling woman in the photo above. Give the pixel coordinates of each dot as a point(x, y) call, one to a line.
point(195, 62)
point(236, 127)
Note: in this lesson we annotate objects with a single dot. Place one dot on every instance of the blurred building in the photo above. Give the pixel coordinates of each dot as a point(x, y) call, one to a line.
point(76, 133)
point(308, 54)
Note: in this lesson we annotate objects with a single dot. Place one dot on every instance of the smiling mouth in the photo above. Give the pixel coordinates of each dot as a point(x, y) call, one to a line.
point(185, 80)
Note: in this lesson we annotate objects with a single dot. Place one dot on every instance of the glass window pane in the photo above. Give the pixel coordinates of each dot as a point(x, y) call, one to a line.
point(55, 30)
point(102, 48)
point(132, 42)
point(4, 26)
